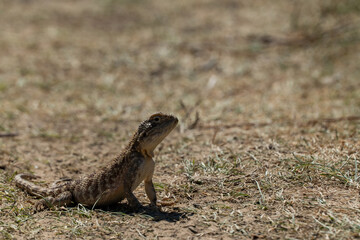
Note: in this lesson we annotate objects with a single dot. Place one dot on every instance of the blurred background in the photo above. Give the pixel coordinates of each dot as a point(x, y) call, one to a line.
point(229, 60)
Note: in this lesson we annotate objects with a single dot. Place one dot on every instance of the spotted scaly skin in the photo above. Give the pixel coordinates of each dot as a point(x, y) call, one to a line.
point(117, 180)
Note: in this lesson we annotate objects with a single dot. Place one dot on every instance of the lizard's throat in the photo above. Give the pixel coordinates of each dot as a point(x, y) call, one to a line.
point(147, 153)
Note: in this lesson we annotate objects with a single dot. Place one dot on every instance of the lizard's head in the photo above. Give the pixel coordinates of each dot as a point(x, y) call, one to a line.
point(153, 130)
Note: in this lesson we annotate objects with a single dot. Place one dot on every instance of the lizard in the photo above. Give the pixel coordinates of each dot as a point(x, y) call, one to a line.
point(115, 181)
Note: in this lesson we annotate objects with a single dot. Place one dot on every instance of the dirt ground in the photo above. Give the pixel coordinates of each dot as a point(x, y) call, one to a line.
point(267, 94)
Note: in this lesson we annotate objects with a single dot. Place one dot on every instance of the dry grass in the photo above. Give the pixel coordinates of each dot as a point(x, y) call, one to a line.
point(268, 96)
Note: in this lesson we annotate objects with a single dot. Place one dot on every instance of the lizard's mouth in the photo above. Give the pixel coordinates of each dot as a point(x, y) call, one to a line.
point(174, 124)
point(176, 121)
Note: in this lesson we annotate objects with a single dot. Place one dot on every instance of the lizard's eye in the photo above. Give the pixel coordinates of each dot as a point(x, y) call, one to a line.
point(156, 119)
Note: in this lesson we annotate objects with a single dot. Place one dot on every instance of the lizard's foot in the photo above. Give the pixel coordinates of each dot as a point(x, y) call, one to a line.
point(42, 205)
point(62, 199)
point(38, 207)
point(154, 207)
point(133, 202)
point(136, 206)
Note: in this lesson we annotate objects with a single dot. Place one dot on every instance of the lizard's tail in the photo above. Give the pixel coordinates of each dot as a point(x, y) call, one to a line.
point(22, 181)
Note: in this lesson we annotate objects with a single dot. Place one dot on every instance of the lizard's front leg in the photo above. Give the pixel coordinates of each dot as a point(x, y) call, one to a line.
point(150, 192)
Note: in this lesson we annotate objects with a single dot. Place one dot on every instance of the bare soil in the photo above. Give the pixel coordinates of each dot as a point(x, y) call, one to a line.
point(267, 93)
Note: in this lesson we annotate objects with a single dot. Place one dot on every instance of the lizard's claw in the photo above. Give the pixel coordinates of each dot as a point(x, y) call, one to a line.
point(40, 205)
